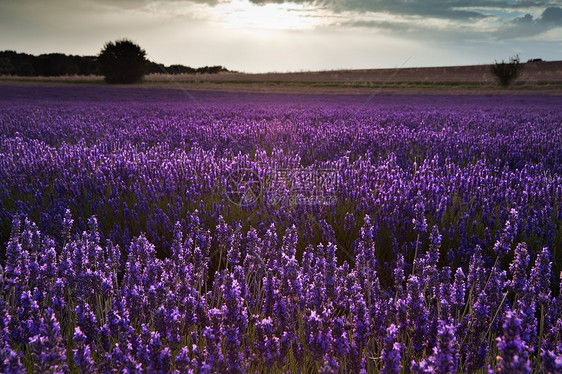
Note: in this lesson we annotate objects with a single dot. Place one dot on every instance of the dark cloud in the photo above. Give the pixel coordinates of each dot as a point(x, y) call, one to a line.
point(455, 11)
point(447, 9)
point(552, 16)
point(527, 25)
point(384, 25)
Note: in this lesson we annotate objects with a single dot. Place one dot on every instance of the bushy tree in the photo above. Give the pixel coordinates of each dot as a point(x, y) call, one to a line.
point(506, 72)
point(122, 61)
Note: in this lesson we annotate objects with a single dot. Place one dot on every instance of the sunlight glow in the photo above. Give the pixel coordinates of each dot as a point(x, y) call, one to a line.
point(245, 16)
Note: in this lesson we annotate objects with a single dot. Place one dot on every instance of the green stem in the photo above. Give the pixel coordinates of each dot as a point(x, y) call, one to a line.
point(415, 255)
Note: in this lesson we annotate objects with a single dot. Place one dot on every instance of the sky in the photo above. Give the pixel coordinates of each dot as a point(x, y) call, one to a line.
point(297, 35)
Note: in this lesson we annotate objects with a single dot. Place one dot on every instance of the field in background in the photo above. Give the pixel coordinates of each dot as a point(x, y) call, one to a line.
point(537, 77)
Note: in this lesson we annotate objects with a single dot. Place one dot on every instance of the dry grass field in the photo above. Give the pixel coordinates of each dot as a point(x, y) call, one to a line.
point(533, 73)
point(537, 77)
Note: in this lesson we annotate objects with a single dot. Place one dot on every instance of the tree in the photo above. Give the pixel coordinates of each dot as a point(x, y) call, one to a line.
point(506, 72)
point(6, 67)
point(25, 69)
point(122, 61)
point(55, 65)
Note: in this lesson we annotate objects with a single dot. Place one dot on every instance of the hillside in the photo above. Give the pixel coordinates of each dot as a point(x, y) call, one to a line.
point(533, 73)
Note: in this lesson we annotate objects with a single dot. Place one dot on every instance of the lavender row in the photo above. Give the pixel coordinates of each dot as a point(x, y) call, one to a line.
point(323, 130)
point(84, 307)
point(143, 168)
point(137, 191)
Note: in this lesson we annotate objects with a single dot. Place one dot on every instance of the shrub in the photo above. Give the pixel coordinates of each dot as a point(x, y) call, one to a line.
point(122, 62)
point(506, 72)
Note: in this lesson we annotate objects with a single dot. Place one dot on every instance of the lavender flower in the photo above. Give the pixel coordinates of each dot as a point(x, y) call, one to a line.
point(87, 322)
point(398, 276)
point(349, 222)
point(67, 223)
point(445, 353)
point(122, 361)
point(214, 360)
point(503, 244)
point(476, 347)
point(392, 352)
point(10, 362)
point(539, 279)
point(361, 323)
point(417, 314)
point(419, 220)
point(518, 268)
point(459, 290)
point(513, 354)
point(14, 273)
point(551, 363)
point(266, 344)
point(234, 324)
point(316, 335)
point(145, 294)
point(182, 361)
point(329, 366)
point(47, 346)
point(421, 367)
point(340, 341)
point(82, 352)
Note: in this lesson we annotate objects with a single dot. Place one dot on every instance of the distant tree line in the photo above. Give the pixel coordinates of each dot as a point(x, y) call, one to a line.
point(59, 64)
point(50, 65)
point(154, 68)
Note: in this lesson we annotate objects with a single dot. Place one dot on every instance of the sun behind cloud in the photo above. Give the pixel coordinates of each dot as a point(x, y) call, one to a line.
point(245, 16)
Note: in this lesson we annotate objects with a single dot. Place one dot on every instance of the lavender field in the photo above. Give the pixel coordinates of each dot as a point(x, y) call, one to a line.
point(153, 230)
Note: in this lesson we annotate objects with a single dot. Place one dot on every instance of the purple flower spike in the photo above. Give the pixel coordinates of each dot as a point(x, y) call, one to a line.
point(214, 360)
point(459, 290)
point(539, 281)
point(417, 313)
point(419, 220)
point(512, 350)
point(47, 346)
point(340, 341)
point(182, 361)
point(445, 353)
point(391, 356)
point(398, 276)
point(503, 245)
point(234, 323)
point(317, 337)
point(81, 352)
point(361, 325)
point(551, 363)
point(518, 268)
point(266, 344)
point(329, 366)
point(10, 362)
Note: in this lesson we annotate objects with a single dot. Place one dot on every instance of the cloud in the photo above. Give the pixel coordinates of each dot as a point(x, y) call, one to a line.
point(447, 9)
point(552, 16)
point(144, 4)
point(441, 19)
point(528, 26)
